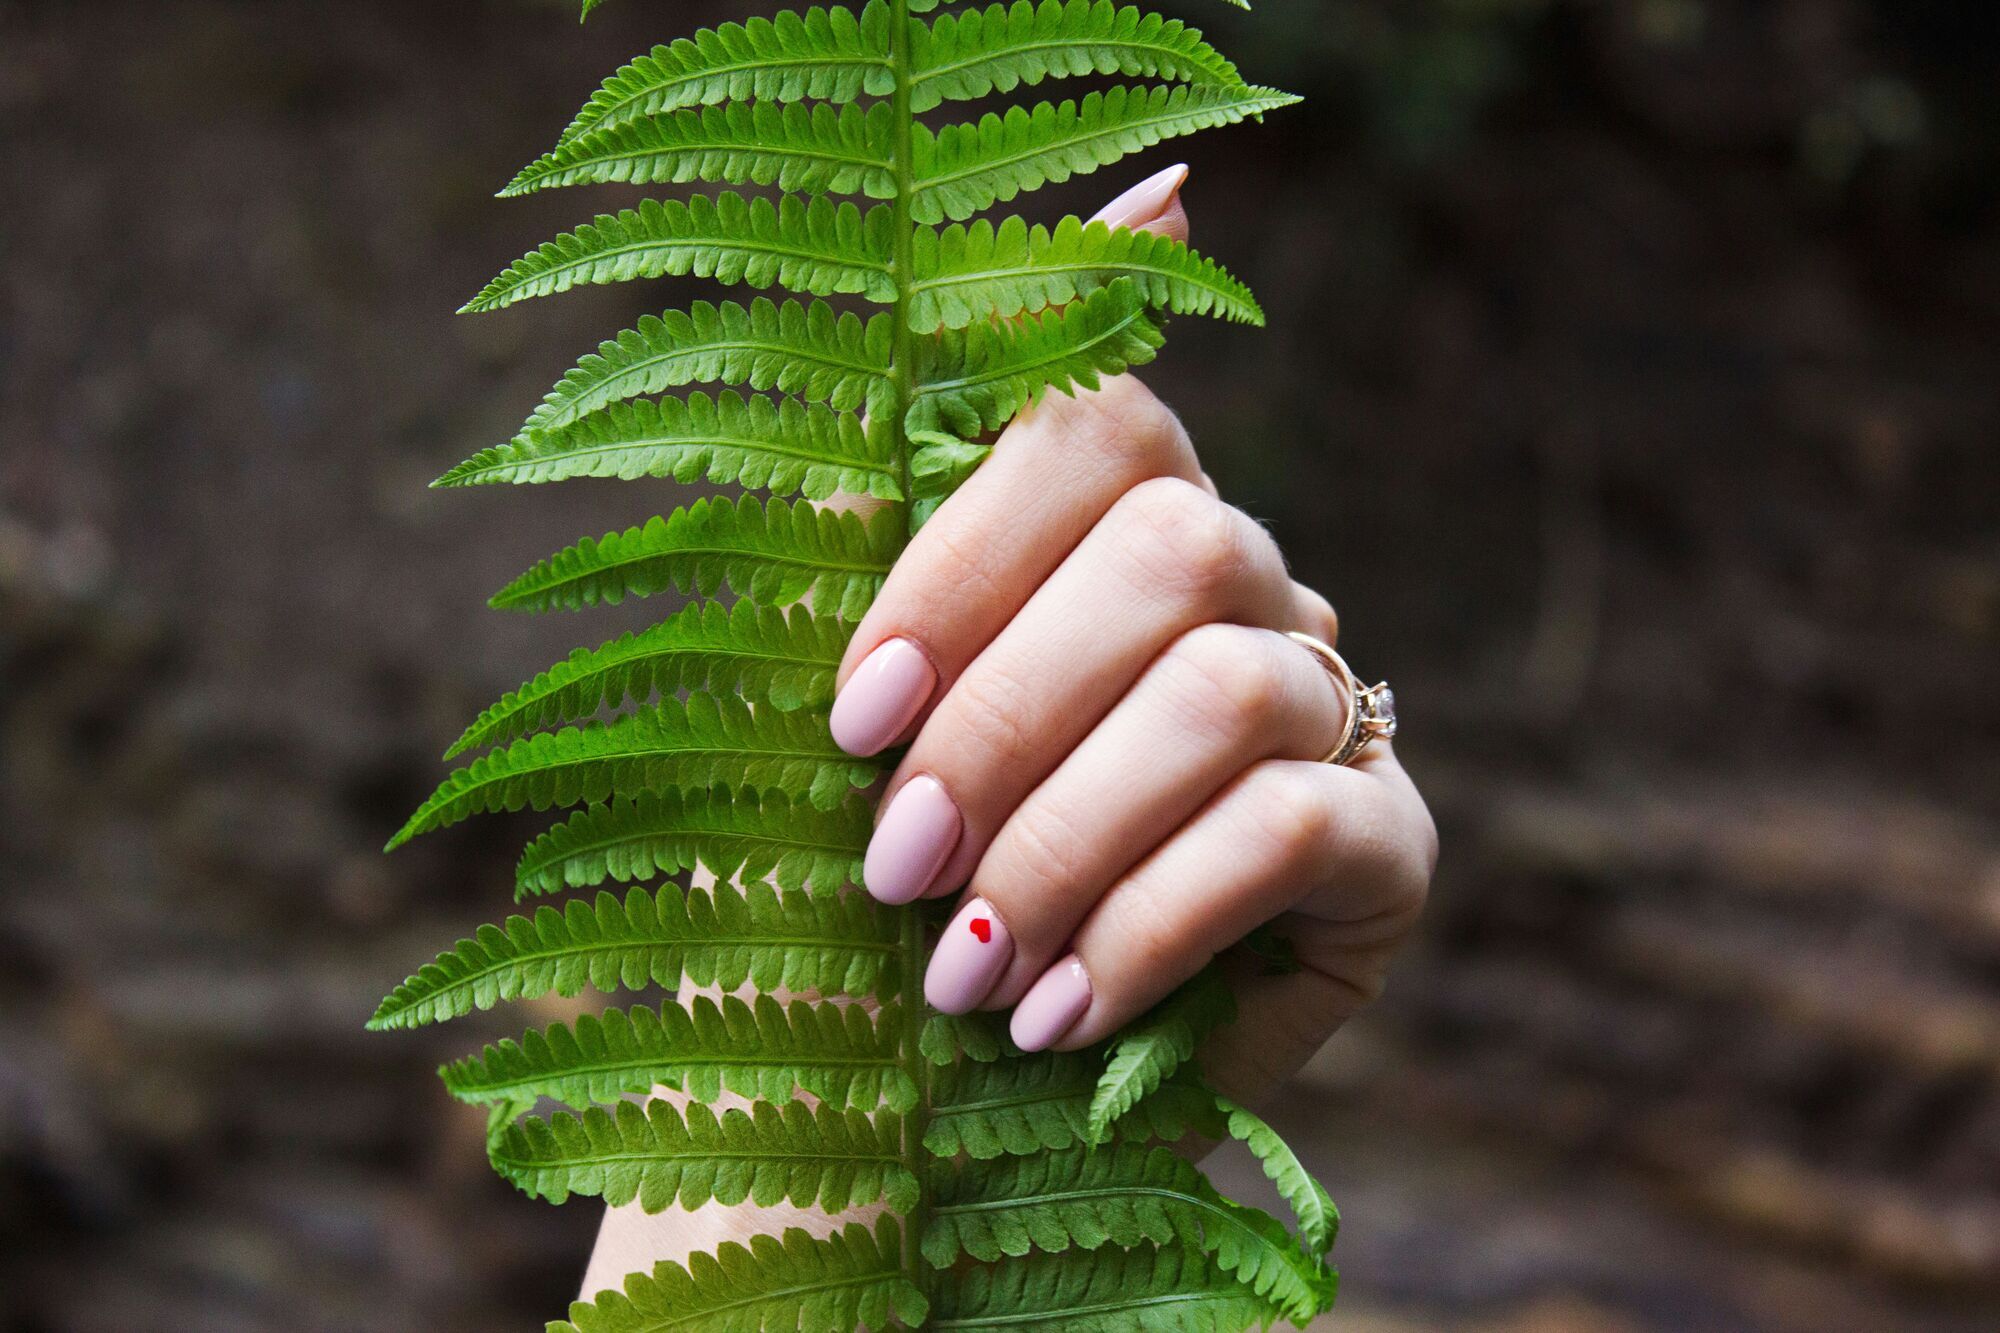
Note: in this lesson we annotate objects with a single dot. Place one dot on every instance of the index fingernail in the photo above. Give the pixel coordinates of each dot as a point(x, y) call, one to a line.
point(881, 697)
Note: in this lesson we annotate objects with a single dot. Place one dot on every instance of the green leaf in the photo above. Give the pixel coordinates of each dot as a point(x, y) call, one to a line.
point(851, 1279)
point(968, 273)
point(1123, 1196)
point(969, 55)
point(784, 447)
point(979, 378)
point(785, 659)
point(939, 465)
point(803, 349)
point(814, 149)
point(707, 741)
point(1148, 1052)
point(966, 168)
point(766, 1051)
point(818, 247)
point(945, 1038)
point(831, 54)
point(740, 837)
point(822, 1158)
point(774, 554)
point(1319, 1220)
point(1040, 1102)
point(1145, 1290)
point(834, 945)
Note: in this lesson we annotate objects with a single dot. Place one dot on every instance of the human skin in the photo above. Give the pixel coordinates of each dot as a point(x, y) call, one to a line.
point(1114, 759)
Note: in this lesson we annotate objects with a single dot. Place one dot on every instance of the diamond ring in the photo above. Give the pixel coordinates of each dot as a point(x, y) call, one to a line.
point(1371, 709)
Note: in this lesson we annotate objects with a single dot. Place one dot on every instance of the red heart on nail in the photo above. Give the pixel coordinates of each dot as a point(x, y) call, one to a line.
point(983, 929)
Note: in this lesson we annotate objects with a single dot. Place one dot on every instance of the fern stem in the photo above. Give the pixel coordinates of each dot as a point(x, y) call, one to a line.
point(902, 393)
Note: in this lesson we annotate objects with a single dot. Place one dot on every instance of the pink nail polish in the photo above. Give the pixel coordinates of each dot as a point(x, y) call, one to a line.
point(1050, 1009)
point(971, 954)
point(1144, 201)
point(910, 845)
point(881, 697)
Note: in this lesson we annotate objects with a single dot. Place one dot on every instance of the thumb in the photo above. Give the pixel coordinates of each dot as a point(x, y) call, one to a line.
point(1154, 204)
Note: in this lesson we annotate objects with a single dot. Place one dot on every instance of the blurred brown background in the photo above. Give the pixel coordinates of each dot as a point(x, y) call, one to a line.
point(1630, 385)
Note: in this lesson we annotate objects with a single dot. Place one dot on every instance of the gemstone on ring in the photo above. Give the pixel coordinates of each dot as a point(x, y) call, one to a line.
point(1378, 710)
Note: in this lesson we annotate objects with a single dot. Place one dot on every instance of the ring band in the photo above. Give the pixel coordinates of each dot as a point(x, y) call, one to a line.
point(1371, 709)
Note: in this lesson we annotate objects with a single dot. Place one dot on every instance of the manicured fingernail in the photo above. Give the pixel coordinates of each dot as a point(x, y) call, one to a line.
point(1052, 1006)
point(1144, 201)
point(971, 954)
point(910, 845)
point(881, 697)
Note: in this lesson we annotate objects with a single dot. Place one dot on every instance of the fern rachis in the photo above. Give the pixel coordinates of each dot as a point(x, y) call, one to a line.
point(1023, 1191)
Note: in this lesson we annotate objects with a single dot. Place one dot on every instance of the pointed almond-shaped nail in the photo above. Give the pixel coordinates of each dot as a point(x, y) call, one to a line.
point(1145, 201)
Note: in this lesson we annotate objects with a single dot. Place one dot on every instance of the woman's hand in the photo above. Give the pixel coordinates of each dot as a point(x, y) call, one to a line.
point(1114, 747)
point(1117, 748)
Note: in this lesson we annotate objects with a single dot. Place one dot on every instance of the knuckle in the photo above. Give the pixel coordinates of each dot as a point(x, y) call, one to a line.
point(1121, 421)
point(1234, 672)
point(1178, 536)
point(957, 555)
point(1037, 859)
point(986, 716)
point(1290, 817)
point(1153, 941)
point(1321, 619)
point(1385, 851)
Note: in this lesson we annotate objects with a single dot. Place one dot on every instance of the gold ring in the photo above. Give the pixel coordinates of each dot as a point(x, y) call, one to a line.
point(1371, 709)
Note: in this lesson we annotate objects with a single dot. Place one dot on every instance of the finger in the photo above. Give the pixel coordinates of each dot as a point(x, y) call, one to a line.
point(1154, 204)
point(1166, 558)
point(1316, 616)
point(1218, 700)
point(1053, 473)
point(1267, 842)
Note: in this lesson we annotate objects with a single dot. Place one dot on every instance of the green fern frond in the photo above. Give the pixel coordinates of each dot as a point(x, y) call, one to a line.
point(991, 1153)
point(833, 54)
point(794, 347)
point(660, 1156)
point(1171, 1289)
point(979, 378)
point(738, 836)
point(1041, 1103)
point(1000, 48)
point(1319, 1220)
point(1147, 1053)
point(817, 247)
point(782, 658)
point(705, 742)
point(852, 1279)
point(723, 937)
point(966, 169)
point(774, 554)
point(1122, 1196)
point(816, 149)
point(966, 273)
point(766, 1051)
point(785, 447)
